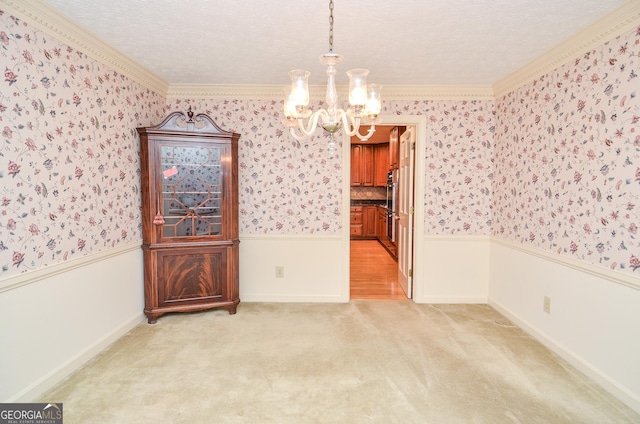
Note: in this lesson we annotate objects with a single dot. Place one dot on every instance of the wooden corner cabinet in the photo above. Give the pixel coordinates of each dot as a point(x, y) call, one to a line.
point(190, 228)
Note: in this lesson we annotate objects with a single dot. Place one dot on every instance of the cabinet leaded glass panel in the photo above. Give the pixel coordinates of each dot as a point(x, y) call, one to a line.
point(191, 190)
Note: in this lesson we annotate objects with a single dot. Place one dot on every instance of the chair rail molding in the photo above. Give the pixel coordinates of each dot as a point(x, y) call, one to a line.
point(30, 277)
point(598, 271)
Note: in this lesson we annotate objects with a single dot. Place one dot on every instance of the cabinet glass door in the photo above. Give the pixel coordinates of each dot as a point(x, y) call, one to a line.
point(191, 190)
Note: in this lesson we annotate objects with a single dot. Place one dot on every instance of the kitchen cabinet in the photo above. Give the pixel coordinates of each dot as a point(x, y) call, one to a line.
point(355, 220)
point(369, 222)
point(381, 164)
point(362, 165)
point(190, 236)
point(363, 222)
point(369, 165)
point(394, 153)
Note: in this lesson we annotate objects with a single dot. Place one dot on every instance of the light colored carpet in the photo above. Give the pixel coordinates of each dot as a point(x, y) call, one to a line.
point(359, 362)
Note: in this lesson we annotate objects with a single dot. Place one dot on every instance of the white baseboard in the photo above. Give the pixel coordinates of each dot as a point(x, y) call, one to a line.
point(611, 386)
point(455, 299)
point(35, 390)
point(257, 298)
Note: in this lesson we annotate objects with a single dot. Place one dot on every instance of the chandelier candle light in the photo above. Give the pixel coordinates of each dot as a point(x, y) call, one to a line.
point(364, 100)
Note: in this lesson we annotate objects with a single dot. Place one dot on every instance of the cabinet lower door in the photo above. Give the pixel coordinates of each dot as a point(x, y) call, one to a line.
point(190, 279)
point(192, 276)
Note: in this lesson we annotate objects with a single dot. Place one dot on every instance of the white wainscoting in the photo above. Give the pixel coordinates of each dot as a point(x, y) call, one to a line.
point(315, 269)
point(594, 322)
point(55, 319)
point(454, 269)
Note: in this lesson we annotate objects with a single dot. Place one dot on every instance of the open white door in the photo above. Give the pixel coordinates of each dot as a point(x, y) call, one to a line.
point(405, 211)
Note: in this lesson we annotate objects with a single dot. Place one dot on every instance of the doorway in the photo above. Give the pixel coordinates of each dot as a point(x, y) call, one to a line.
point(380, 261)
point(374, 273)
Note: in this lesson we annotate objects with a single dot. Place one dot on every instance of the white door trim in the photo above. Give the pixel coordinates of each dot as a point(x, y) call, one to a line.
point(405, 224)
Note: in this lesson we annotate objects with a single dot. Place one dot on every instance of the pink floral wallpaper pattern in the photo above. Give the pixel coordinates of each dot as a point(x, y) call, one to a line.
point(291, 187)
point(553, 165)
point(567, 154)
point(69, 167)
point(459, 168)
point(285, 186)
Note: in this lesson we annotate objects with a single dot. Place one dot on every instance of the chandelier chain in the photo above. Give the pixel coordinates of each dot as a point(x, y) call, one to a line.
point(331, 26)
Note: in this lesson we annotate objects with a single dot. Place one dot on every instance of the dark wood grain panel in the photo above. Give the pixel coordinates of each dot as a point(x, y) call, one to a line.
point(192, 276)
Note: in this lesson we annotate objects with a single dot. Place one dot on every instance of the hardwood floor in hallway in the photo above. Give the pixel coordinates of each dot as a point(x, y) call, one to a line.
point(373, 273)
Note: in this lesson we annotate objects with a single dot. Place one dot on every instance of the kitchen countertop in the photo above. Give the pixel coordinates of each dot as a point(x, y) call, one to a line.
point(369, 202)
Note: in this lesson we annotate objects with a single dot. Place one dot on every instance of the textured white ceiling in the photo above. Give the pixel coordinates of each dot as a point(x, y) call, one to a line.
point(402, 42)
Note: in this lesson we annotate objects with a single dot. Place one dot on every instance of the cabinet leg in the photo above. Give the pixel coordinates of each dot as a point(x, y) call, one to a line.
point(151, 317)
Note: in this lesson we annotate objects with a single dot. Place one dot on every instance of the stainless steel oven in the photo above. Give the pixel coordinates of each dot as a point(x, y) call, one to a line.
point(392, 202)
point(389, 190)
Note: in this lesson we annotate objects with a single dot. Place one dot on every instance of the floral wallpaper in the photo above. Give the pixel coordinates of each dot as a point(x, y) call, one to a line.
point(567, 154)
point(285, 186)
point(291, 187)
point(69, 168)
point(554, 165)
point(458, 160)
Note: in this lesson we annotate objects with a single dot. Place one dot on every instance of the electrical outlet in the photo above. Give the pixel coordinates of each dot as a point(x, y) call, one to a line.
point(547, 304)
point(279, 272)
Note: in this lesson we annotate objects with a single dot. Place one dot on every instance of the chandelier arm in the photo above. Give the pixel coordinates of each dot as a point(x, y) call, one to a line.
point(347, 123)
point(367, 136)
point(313, 122)
point(351, 125)
point(292, 131)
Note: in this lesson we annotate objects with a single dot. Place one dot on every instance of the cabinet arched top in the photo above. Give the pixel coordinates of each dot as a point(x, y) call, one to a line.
point(180, 123)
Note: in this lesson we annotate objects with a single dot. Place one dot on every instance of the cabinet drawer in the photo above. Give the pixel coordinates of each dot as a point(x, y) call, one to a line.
point(356, 219)
point(356, 230)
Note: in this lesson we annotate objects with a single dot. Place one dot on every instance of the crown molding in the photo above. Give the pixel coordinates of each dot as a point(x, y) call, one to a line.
point(438, 92)
point(618, 22)
point(48, 20)
point(317, 92)
point(216, 91)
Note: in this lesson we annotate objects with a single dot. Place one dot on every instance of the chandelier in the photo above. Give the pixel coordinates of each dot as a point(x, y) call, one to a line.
point(364, 100)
